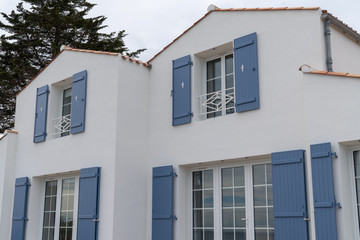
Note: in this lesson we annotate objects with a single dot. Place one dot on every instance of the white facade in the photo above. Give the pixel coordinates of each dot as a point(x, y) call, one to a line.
point(129, 123)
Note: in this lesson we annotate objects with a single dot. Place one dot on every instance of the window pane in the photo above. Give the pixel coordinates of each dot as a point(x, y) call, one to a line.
point(209, 234)
point(208, 179)
point(228, 234)
point(67, 96)
point(271, 234)
point(197, 180)
point(208, 199)
point(226, 176)
point(240, 234)
point(198, 217)
point(260, 234)
point(228, 218)
point(260, 217)
point(259, 174)
point(240, 217)
point(197, 199)
point(239, 176)
point(229, 64)
point(271, 217)
point(227, 197)
point(259, 196)
point(239, 197)
point(214, 68)
point(270, 195)
point(198, 234)
point(269, 173)
point(208, 218)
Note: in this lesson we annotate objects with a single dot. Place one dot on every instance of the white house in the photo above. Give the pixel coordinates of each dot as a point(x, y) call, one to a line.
point(219, 136)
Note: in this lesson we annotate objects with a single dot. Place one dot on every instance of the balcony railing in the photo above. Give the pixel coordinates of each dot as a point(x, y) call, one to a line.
point(62, 125)
point(218, 101)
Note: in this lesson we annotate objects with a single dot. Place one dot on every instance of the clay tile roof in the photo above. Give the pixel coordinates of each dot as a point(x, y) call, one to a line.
point(308, 69)
point(337, 22)
point(6, 133)
point(232, 9)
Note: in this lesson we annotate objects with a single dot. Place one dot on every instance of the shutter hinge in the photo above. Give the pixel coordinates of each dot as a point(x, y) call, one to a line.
point(191, 63)
point(174, 174)
point(36, 115)
point(334, 155)
point(45, 134)
point(174, 217)
point(171, 93)
point(191, 114)
point(338, 205)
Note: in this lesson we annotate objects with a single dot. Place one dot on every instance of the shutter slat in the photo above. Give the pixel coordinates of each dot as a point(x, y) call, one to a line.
point(42, 95)
point(78, 102)
point(289, 193)
point(323, 190)
point(19, 210)
point(246, 73)
point(89, 189)
point(162, 203)
point(181, 91)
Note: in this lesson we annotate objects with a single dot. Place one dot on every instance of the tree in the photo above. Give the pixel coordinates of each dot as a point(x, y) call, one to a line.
point(35, 35)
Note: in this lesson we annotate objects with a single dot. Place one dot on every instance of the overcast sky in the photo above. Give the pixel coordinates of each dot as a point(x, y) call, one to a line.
point(154, 24)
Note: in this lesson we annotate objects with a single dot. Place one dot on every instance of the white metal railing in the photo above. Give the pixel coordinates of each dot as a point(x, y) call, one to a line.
point(217, 101)
point(62, 124)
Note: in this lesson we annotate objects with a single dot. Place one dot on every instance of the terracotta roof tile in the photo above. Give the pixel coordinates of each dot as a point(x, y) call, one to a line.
point(6, 133)
point(231, 9)
point(308, 69)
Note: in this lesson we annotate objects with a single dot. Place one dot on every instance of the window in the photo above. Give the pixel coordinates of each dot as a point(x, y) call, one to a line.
point(233, 203)
point(66, 112)
point(60, 209)
point(357, 180)
point(219, 97)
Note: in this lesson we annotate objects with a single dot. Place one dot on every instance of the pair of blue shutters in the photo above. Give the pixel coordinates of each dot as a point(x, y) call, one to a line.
point(78, 105)
point(246, 80)
point(88, 209)
point(289, 189)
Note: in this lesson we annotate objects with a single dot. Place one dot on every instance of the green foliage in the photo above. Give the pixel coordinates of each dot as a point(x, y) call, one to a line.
point(35, 35)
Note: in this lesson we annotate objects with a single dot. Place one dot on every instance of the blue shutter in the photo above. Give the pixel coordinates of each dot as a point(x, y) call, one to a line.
point(162, 203)
point(88, 210)
point(181, 92)
point(323, 189)
point(289, 189)
point(78, 102)
point(41, 114)
point(19, 211)
point(246, 73)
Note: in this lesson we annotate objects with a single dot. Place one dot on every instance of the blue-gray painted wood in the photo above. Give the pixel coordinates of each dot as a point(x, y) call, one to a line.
point(19, 218)
point(78, 102)
point(162, 203)
point(42, 96)
point(323, 190)
point(181, 92)
point(289, 189)
point(88, 209)
point(246, 73)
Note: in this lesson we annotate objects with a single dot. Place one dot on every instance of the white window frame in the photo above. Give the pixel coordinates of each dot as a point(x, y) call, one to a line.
point(223, 81)
point(249, 209)
point(58, 204)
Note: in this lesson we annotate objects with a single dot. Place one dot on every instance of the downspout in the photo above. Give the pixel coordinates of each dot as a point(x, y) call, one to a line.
point(329, 61)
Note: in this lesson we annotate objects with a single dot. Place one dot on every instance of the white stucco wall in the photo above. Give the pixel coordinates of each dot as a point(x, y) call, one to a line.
point(7, 159)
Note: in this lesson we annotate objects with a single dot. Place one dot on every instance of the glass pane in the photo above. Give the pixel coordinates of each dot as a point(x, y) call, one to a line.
point(260, 234)
point(69, 234)
point(67, 96)
point(357, 163)
point(198, 234)
point(66, 110)
point(240, 217)
point(50, 203)
point(228, 218)
point(271, 234)
point(260, 217)
point(229, 82)
point(270, 195)
point(240, 234)
point(208, 179)
point(197, 222)
point(208, 218)
point(70, 202)
point(197, 180)
point(45, 234)
point(51, 188)
point(226, 176)
point(214, 68)
point(271, 216)
point(64, 203)
point(239, 179)
point(62, 234)
point(63, 219)
point(209, 234)
point(70, 219)
point(228, 234)
point(214, 85)
point(229, 65)
point(197, 199)
point(259, 196)
point(268, 174)
point(227, 197)
point(258, 174)
point(208, 199)
point(239, 197)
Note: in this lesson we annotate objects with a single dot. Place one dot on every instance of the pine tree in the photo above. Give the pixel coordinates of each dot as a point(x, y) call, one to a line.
point(35, 35)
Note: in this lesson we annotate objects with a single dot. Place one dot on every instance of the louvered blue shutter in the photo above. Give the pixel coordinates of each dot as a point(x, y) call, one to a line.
point(19, 210)
point(289, 189)
point(181, 92)
point(88, 210)
point(246, 73)
point(162, 203)
point(323, 189)
point(41, 114)
point(78, 102)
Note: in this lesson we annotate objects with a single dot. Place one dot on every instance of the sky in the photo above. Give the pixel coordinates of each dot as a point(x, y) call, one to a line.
point(154, 24)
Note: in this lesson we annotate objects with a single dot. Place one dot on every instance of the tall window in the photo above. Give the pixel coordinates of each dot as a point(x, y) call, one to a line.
point(244, 210)
point(219, 97)
point(66, 111)
point(357, 180)
point(59, 210)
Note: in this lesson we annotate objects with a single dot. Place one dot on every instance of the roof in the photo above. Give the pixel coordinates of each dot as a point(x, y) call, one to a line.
point(334, 20)
point(308, 69)
point(6, 133)
point(67, 48)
